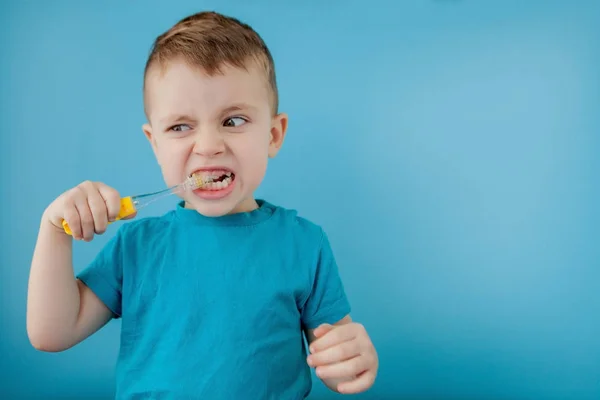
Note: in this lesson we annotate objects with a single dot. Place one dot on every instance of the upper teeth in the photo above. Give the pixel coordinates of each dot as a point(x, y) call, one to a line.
point(212, 175)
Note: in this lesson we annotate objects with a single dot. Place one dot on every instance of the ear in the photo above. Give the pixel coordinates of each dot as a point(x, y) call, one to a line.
point(147, 128)
point(278, 130)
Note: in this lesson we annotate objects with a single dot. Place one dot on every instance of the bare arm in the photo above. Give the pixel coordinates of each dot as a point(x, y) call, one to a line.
point(61, 310)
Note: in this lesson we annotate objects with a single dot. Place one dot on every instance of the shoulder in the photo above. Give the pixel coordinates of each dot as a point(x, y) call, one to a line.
point(302, 229)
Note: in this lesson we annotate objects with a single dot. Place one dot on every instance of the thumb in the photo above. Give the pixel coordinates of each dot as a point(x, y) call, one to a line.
point(323, 329)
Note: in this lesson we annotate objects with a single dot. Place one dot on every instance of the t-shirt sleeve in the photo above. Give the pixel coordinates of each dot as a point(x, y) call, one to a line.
point(327, 301)
point(104, 275)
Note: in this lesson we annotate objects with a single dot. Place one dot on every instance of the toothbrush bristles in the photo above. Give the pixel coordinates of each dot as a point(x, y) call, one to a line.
point(196, 181)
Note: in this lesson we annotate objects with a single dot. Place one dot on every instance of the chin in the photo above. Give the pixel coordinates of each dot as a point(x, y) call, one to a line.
point(215, 208)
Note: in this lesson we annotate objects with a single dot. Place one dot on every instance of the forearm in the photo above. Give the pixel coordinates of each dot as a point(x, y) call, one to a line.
point(53, 295)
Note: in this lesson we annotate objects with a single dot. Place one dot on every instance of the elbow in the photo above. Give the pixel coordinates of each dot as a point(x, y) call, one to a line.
point(48, 343)
point(47, 346)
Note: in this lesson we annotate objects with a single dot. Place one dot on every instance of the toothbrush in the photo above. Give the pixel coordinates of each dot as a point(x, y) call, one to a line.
point(131, 204)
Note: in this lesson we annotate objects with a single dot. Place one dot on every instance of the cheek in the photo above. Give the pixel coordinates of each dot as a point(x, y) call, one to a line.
point(254, 160)
point(172, 156)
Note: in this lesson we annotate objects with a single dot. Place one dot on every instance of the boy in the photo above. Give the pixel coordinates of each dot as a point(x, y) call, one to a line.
point(216, 295)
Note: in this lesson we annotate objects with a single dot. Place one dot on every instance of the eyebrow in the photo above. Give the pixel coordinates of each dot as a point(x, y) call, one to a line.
point(176, 118)
point(238, 107)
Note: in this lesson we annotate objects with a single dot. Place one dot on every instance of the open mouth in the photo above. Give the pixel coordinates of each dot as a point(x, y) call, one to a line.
point(215, 180)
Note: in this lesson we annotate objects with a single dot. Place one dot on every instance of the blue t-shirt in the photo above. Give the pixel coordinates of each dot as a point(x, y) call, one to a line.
point(215, 308)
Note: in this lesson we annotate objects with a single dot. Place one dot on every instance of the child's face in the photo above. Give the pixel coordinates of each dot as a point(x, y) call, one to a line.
point(219, 125)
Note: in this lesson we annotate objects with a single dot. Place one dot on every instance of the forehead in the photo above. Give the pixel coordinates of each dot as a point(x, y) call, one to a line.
point(180, 88)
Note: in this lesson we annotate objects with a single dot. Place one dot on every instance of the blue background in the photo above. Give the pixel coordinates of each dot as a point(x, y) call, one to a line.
point(449, 148)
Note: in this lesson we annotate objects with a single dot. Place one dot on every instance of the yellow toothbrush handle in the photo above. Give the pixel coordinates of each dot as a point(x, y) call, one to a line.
point(127, 208)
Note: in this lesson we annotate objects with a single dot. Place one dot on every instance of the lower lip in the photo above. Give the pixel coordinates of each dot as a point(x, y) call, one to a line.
point(215, 194)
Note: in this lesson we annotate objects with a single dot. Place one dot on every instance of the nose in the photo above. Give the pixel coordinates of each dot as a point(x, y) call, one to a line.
point(209, 144)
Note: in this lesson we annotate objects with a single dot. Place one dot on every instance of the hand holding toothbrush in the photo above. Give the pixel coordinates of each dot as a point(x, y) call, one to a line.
point(87, 209)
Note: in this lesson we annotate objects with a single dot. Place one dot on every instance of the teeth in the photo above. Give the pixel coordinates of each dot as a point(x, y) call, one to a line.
point(209, 176)
point(218, 185)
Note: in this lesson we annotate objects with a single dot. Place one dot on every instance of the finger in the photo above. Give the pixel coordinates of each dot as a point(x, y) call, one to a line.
point(86, 218)
point(112, 199)
point(71, 215)
point(322, 329)
point(97, 208)
point(343, 351)
point(344, 369)
point(338, 335)
point(363, 382)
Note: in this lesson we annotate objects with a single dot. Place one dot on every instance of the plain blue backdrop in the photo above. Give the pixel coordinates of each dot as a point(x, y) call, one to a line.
point(449, 148)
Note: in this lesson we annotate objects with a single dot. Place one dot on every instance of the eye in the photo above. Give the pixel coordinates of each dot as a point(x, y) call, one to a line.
point(234, 122)
point(180, 128)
